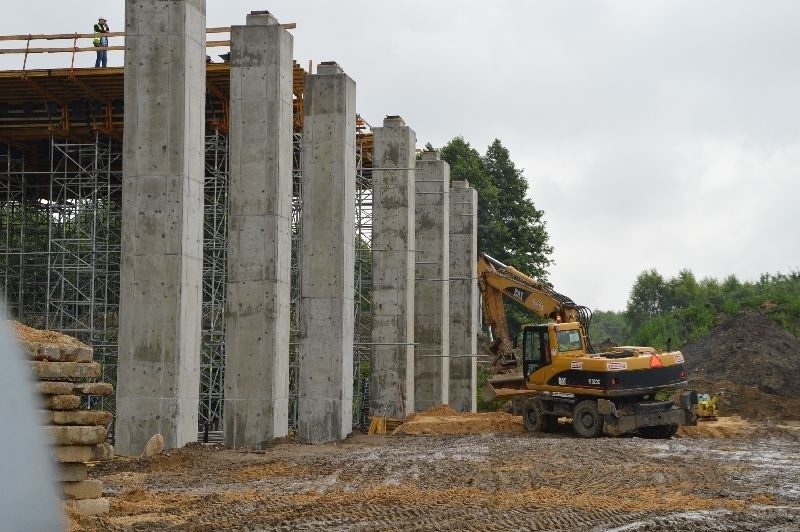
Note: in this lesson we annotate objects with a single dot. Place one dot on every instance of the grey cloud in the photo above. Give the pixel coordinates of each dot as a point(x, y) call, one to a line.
point(654, 134)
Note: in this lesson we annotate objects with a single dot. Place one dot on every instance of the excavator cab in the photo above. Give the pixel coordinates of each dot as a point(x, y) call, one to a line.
point(535, 348)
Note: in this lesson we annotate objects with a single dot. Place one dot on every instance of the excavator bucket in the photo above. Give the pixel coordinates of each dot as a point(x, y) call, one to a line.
point(504, 388)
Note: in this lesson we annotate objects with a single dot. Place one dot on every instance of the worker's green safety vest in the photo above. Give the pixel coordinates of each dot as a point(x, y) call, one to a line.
point(97, 36)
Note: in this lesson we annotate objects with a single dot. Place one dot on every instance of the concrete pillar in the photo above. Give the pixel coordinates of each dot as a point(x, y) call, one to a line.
point(325, 402)
point(259, 238)
point(392, 384)
point(158, 380)
point(432, 291)
point(463, 296)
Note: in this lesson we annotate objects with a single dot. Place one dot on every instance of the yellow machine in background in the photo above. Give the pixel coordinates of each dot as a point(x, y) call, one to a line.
point(613, 392)
point(707, 409)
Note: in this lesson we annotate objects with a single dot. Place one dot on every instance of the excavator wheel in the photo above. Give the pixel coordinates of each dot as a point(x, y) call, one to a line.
point(661, 432)
point(533, 418)
point(586, 420)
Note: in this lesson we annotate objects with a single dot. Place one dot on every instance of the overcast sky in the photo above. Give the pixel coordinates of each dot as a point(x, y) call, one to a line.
point(654, 134)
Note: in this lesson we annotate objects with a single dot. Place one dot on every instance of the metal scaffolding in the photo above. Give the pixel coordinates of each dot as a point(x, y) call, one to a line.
point(363, 291)
point(84, 247)
point(61, 248)
point(23, 255)
point(215, 281)
point(60, 252)
point(60, 233)
point(294, 303)
point(12, 225)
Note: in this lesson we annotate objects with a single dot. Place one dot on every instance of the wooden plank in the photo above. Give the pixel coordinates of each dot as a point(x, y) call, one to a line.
point(56, 36)
point(60, 36)
point(227, 29)
point(57, 50)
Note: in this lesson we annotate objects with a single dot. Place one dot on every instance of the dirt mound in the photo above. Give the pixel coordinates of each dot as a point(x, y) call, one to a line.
point(747, 349)
point(748, 401)
point(439, 410)
point(724, 427)
point(442, 419)
point(29, 334)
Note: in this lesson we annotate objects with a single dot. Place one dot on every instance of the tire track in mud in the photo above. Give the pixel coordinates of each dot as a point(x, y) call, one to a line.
point(474, 482)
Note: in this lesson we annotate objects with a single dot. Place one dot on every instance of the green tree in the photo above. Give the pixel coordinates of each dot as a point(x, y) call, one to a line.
point(524, 240)
point(510, 228)
point(683, 309)
point(466, 164)
point(682, 291)
point(647, 298)
point(608, 325)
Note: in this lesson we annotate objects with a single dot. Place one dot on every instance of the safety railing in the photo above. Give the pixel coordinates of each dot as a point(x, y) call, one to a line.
point(79, 48)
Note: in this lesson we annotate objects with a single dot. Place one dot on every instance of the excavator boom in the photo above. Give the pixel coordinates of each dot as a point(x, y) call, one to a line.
point(497, 280)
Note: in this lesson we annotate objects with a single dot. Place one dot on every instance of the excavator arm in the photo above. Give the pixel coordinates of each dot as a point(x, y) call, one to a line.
point(496, 280)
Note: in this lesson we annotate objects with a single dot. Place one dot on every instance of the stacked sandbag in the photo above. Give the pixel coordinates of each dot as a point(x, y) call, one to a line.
point(64, 367)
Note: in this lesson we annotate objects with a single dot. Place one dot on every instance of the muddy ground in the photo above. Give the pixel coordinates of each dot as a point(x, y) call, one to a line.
point(736, 480)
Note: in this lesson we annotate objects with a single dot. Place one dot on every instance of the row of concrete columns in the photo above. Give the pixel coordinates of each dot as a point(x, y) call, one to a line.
point(422, 355)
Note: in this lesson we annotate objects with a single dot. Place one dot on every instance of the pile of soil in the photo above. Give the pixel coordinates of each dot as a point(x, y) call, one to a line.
point(724, 427)
point(748, 401)
point(747, 349)
point(442, 419)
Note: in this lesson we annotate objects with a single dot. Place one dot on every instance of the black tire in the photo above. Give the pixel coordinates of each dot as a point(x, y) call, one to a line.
point(661, 432)
point(532, 416)
point(586, 420)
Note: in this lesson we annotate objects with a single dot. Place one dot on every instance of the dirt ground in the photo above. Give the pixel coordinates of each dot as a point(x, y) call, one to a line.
point(444, 420)
point(730, 476)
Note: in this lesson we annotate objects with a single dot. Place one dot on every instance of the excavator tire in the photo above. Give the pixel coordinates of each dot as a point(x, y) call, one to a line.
point(586, 420)
point(532, 416)
point(661, 432)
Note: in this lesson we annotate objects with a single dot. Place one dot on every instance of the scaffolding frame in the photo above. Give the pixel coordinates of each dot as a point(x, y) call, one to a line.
point(296, 277)
point(12, 229)
point(216, 208)
point(60, 250)
point(362, 334)
point(83, 271)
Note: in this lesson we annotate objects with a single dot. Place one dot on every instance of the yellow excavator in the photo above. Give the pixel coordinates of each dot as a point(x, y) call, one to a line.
point(626, 389)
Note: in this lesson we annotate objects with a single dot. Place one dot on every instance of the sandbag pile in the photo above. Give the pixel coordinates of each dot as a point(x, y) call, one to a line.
point(64, 369)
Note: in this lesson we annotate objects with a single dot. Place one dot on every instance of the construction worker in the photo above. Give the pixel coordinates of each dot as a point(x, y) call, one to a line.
point(101, 40)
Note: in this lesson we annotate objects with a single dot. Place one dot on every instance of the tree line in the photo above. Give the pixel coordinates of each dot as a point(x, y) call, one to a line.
point(683, 309)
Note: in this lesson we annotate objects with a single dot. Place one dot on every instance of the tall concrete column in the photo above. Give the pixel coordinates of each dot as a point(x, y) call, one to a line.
point(259, 239)
point(325, 403)
point(432, 291)
point(392, 382)
point(158, 379)
point(463, 296)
